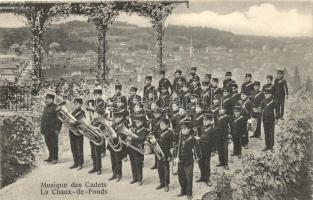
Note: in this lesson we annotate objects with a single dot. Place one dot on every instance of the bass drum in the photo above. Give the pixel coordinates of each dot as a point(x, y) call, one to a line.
point(252, 125)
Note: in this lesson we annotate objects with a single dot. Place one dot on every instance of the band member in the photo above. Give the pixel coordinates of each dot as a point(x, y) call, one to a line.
point(118, 96)
point(227, 83)
point(136, 158)
point(215, 111)
point(215, 88)
point(257, 97)
point(206, 95)
point(164, 99)
point(246, 107)
point(186, 163)
point(50, 127)
point(239, 127)
point(174, 119)
point(281, 93)
point(119, 118)
point(178, 75)
point(206, 140)
point(227, 101)
point(148, 88)
point(157, 115)
point(235, 94)
point(269, 85)
point(165, 140)
point(133, 99)
point(223, 125)
point(95, 149)
point(77, 142)
point(268, 114)
point(196, 87)
point(247, 86)
point(194, 71)
point(184, 96)
point(164, 82)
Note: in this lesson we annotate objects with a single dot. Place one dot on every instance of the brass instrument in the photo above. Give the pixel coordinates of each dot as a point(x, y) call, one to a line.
point(198, 153)
point(108, 133)
point(252, 125)
point(67, 118)
point(93, 133)
point(175, 155)
point(156, 149)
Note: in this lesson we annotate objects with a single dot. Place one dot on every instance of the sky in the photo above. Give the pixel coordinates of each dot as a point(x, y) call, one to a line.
point(275, 19)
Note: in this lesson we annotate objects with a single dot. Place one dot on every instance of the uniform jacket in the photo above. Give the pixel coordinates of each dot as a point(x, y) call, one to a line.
point(281, 88)
point(165, 82)
point(216, 90)
point(186, 146)
point(78, 114)
point(141, 132)
point(131, 104)
point(236, 97)
point(257, 98)
point(228, 104)
point(268, 110)
point(148, 89)
point(246, 108)
point(228, 83)
point(247, 86)
point(165, 140)
point(269, 86)
point(49, 120)
point(206, 138)
point(176, 86)
point(239, 127)
point(223, 124)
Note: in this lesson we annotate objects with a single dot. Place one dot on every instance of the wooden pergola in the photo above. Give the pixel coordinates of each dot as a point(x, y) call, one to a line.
point(39, 15)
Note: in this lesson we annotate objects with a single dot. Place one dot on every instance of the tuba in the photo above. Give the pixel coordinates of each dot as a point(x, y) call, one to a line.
point(67, 118)
point(93, 133)
point(108, 133)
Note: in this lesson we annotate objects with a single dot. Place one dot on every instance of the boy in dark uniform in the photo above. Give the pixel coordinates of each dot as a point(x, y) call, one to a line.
point(268, 114)
point(178, 76)
point(206, 140)
point(269, 85)
point(165, 141)
point(164, 82)
point(196, 87)
point(257, 97)
point(133, 99)
point(77, 142)
point(235, 94)
point(50, 127)
point(247, 86)
point(164, 98)
point(215, 111)
point(227, 83)
point(136, 158)
point(186, 162)
point(239, 128)
point(215, 88)
point(148, 88)
point(223, 125)
point(207, 78)
point(227, 101)
point(157, 115)
point(206, 95)
point(246, 107)
point(281, 93)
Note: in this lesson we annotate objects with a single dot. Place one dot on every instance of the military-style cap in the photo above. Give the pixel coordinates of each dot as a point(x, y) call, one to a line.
point(208, 76)
point(118, 87)
point(50, 96)
point(215, 80)
point(78, 100)
point(248, 75)
point(193, 68)
point(162, 72)
point(228, 74)
point(280, 71)
point(205, 83)
point(149, 78)
point(270, 77)
point(140, 117)
point(178, 71)
point(257, 83)
point(133, 88)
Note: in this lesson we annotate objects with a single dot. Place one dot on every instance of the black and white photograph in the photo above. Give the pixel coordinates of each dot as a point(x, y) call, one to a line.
point(156, 100)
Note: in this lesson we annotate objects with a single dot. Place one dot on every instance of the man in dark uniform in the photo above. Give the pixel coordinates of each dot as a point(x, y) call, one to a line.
point(96, 150)
point(165, 141)
point(178, 75)
point(184, 95)
point(206, 140)
point(136, 158)
point(227, 101)
point(186, 162)
point(281, 93)
point(194, 71)
point(216, 105)
point(257, 97)
point(269, 85)
point(148, 88)
point(190, 79)
point(196, 87)
point(118, 96)
point(239, 127)
point(246, 107)
point(268, 114)
point(164, 82)
point(206, 95)
point(247, 86)
point(77, 142)
point(50, 127)
point(227, 83)
point(235, 94)
point(215, 88)
point(133, 99)
point(223, 125)
point(164, 99)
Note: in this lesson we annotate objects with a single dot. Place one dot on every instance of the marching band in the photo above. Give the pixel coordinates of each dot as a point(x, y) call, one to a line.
point(180, 123)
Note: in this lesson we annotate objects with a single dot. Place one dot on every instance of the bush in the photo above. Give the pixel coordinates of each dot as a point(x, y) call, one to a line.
point(20, 144)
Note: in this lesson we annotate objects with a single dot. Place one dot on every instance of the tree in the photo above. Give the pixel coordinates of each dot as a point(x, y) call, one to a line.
point(297, 85)
point(308, 84)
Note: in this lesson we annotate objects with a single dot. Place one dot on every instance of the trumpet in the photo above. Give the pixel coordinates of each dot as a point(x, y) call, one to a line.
point(93, 133)
point(67, 118)
point(108, 133)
